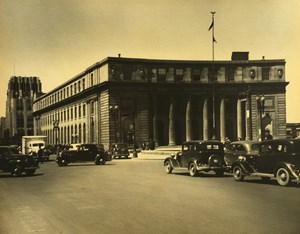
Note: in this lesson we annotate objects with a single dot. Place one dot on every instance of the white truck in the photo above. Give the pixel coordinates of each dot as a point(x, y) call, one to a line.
point(33, 143)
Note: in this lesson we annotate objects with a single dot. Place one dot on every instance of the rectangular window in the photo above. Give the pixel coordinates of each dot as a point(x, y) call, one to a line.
point(83, 84)
point(75, 112)
point(162, 74)
point(75, 88)
point(79, 111)
point(83, 110)
point(230, 73)
point(79, 87)
point(92, 79)
point(265, 73)
point(179, 74)
point(196, 75)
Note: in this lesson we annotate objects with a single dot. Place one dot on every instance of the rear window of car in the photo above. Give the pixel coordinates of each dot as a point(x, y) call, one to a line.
point(212, 146)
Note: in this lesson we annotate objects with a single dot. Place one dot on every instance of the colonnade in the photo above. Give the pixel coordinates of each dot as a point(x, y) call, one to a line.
point(223, 112)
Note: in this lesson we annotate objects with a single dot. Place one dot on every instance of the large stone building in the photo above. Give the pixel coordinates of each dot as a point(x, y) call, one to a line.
point(20, 94)
point(169, 101)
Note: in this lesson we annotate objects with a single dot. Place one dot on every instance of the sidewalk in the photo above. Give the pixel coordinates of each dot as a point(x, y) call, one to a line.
point(160, 153)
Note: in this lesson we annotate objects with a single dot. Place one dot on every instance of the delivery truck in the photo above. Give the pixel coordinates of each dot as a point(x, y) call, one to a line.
point(31, 144)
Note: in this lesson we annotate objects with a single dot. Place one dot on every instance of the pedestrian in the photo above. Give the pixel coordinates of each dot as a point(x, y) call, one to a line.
point(41, 154)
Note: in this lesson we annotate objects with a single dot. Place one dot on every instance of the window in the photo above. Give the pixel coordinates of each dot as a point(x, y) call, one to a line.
point(265, 73)
point(179, 74)
point(196, 75)
point(162, 74)
point(79, 87)
point(83, 84)
point(75, 88)
point(92, 79)
point(75, 112)
point(83, 110)
point(230, 73)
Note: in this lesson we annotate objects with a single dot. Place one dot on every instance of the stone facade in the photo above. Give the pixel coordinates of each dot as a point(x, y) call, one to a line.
point(169, 101)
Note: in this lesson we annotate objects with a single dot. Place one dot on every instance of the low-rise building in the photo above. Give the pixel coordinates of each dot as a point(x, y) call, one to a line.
point(169, 101)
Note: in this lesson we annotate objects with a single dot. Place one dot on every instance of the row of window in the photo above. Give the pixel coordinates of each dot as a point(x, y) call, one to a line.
point(68, 91)
point(67, 114)
point(67, 134)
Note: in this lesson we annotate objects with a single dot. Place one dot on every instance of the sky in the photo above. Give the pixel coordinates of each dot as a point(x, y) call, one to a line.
point(57, 39)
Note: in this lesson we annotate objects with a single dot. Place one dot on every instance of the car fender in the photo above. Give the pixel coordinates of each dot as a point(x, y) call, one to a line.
point(173, 162)
point(288, 166)
point(193, 160)
point(246, 169)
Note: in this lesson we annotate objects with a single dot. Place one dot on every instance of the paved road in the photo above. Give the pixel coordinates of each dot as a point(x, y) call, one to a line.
point(136, 196)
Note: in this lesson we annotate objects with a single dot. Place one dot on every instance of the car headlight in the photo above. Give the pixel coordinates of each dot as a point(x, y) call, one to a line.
point(242, 158)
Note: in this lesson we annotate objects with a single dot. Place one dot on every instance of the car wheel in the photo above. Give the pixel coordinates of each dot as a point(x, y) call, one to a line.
point(237, 173)
point(17, 171)
point(219, 173)
point(283, 177)
point(168, 167)
point(193, 169)
point(64, 162)
point(30, 172)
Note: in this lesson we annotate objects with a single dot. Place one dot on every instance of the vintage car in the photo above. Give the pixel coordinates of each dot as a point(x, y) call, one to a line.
point(198, 155)
point(119, 150)
point(240, 148)
point(84, 153)
point(278, 159)
point(16, 163)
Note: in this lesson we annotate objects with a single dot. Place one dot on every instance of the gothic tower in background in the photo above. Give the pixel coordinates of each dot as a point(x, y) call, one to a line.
point(20, 95)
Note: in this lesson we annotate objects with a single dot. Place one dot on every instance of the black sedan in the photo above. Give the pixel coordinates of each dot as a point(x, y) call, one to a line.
point(237, 149)
point(279, 159)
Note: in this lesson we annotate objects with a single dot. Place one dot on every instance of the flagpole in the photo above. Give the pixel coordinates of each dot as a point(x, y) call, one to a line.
point(213, 73)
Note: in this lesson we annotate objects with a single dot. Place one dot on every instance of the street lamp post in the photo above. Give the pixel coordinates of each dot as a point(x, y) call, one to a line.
point(114, 114)
point(260, 101)
point(55, 130)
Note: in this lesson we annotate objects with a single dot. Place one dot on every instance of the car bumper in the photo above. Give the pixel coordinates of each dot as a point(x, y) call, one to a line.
point(213, 168)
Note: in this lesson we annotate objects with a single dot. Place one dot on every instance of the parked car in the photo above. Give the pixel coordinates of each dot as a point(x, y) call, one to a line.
point(119, 150)
point(240, 148)
point(84, 153)
point(48, 150)
point(279, 159)
point(197, 156)
point(16, 163)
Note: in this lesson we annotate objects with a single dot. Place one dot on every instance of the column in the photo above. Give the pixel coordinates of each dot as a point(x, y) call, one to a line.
point(155, 119)
point(222, 120)
point(239, 119)
point(205, 119)
point(171, 123)
point(188, 122)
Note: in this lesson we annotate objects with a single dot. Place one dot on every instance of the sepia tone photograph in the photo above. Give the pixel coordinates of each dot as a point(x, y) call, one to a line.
point(148, 116)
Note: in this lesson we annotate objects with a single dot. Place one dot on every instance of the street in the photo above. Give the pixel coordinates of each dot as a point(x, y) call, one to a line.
point(137, 196)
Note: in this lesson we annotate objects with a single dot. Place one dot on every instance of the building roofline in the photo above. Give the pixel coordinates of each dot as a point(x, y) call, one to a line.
point(163, 61)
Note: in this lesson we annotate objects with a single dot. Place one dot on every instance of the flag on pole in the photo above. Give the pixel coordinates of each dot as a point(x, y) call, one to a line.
point(211, 26)
point(214, 40)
